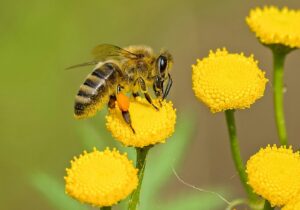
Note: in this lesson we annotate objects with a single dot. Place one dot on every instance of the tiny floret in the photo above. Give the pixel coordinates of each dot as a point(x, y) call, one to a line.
point(101, 178)
point(274, 26)
point(151, 126)
point(226, 81)
point(294, 204)
point(273, 173)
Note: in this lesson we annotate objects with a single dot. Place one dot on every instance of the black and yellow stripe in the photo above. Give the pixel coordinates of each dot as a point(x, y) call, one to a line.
point(94, 93)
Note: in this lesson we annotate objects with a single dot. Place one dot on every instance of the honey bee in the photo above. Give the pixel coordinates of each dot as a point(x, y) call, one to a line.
point(130, 70)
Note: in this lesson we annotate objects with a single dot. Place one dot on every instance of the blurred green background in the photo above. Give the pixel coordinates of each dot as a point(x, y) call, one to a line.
point(39, 39)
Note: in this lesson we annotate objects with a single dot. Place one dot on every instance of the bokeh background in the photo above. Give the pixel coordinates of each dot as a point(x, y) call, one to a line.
point(39, 39)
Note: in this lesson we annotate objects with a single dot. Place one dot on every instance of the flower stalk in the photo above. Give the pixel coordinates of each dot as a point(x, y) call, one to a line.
point(235, 151)
point(278, 63)
point(268, 206)
point(105, 208)
point(140, 165)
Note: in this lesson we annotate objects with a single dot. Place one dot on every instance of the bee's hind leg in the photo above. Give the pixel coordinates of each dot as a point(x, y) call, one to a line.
point(126, 117)
point(123, 103)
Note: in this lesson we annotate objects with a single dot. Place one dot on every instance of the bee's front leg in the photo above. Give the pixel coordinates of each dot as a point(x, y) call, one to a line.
point(169, 85)
point(158, 88)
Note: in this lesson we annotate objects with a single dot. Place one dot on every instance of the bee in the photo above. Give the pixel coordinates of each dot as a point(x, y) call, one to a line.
point(120, 71)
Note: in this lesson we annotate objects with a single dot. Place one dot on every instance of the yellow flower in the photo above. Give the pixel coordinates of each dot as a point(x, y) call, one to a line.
point(273, 173)
point(294, 204)
point(151, 126)
point(101, 178)
point(274, 26)
point(227, 81)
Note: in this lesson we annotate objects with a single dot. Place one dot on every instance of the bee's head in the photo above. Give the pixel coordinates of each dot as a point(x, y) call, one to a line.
point(164, 64)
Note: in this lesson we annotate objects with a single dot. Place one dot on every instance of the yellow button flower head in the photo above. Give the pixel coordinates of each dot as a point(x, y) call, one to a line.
point(274, 26)
point(101, 178)
point(273, 173)
point(151, 126)
point(228, 81)
point(294, 204)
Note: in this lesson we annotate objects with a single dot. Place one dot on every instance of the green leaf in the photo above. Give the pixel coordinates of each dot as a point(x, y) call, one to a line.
point(194, 201)
point(54, 192)
point(162, 158)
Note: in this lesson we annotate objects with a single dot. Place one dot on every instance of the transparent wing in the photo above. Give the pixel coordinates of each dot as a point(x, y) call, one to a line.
point(105, 51)
point(91, 63)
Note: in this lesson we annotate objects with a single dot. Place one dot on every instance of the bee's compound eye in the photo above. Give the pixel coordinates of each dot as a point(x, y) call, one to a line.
point(162, 63)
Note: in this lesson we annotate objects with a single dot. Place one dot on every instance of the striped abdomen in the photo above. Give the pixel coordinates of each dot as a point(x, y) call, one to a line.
point(94, 93)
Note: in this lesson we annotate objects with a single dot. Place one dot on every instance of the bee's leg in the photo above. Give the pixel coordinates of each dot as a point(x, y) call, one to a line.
point(144, 90)
point(135, 94)
point(111, 103)
point(158, 88)
point(113, 98)
point(126, 117)
point(123, 103)
point(147, 96)
point(169, 85)
point(135, 90)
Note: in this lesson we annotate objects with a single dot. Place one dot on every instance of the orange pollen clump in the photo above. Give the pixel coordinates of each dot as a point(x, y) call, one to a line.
point(123, 102)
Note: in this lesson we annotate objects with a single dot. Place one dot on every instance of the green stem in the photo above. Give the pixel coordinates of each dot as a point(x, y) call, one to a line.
point(268, 206)
point(105, 208)
point(278, 63)
point(235, 203)
point(235, 151)
point(141, 154)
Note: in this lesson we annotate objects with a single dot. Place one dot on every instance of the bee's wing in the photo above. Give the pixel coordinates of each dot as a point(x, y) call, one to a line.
point(83, 64)
point(105, 51)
